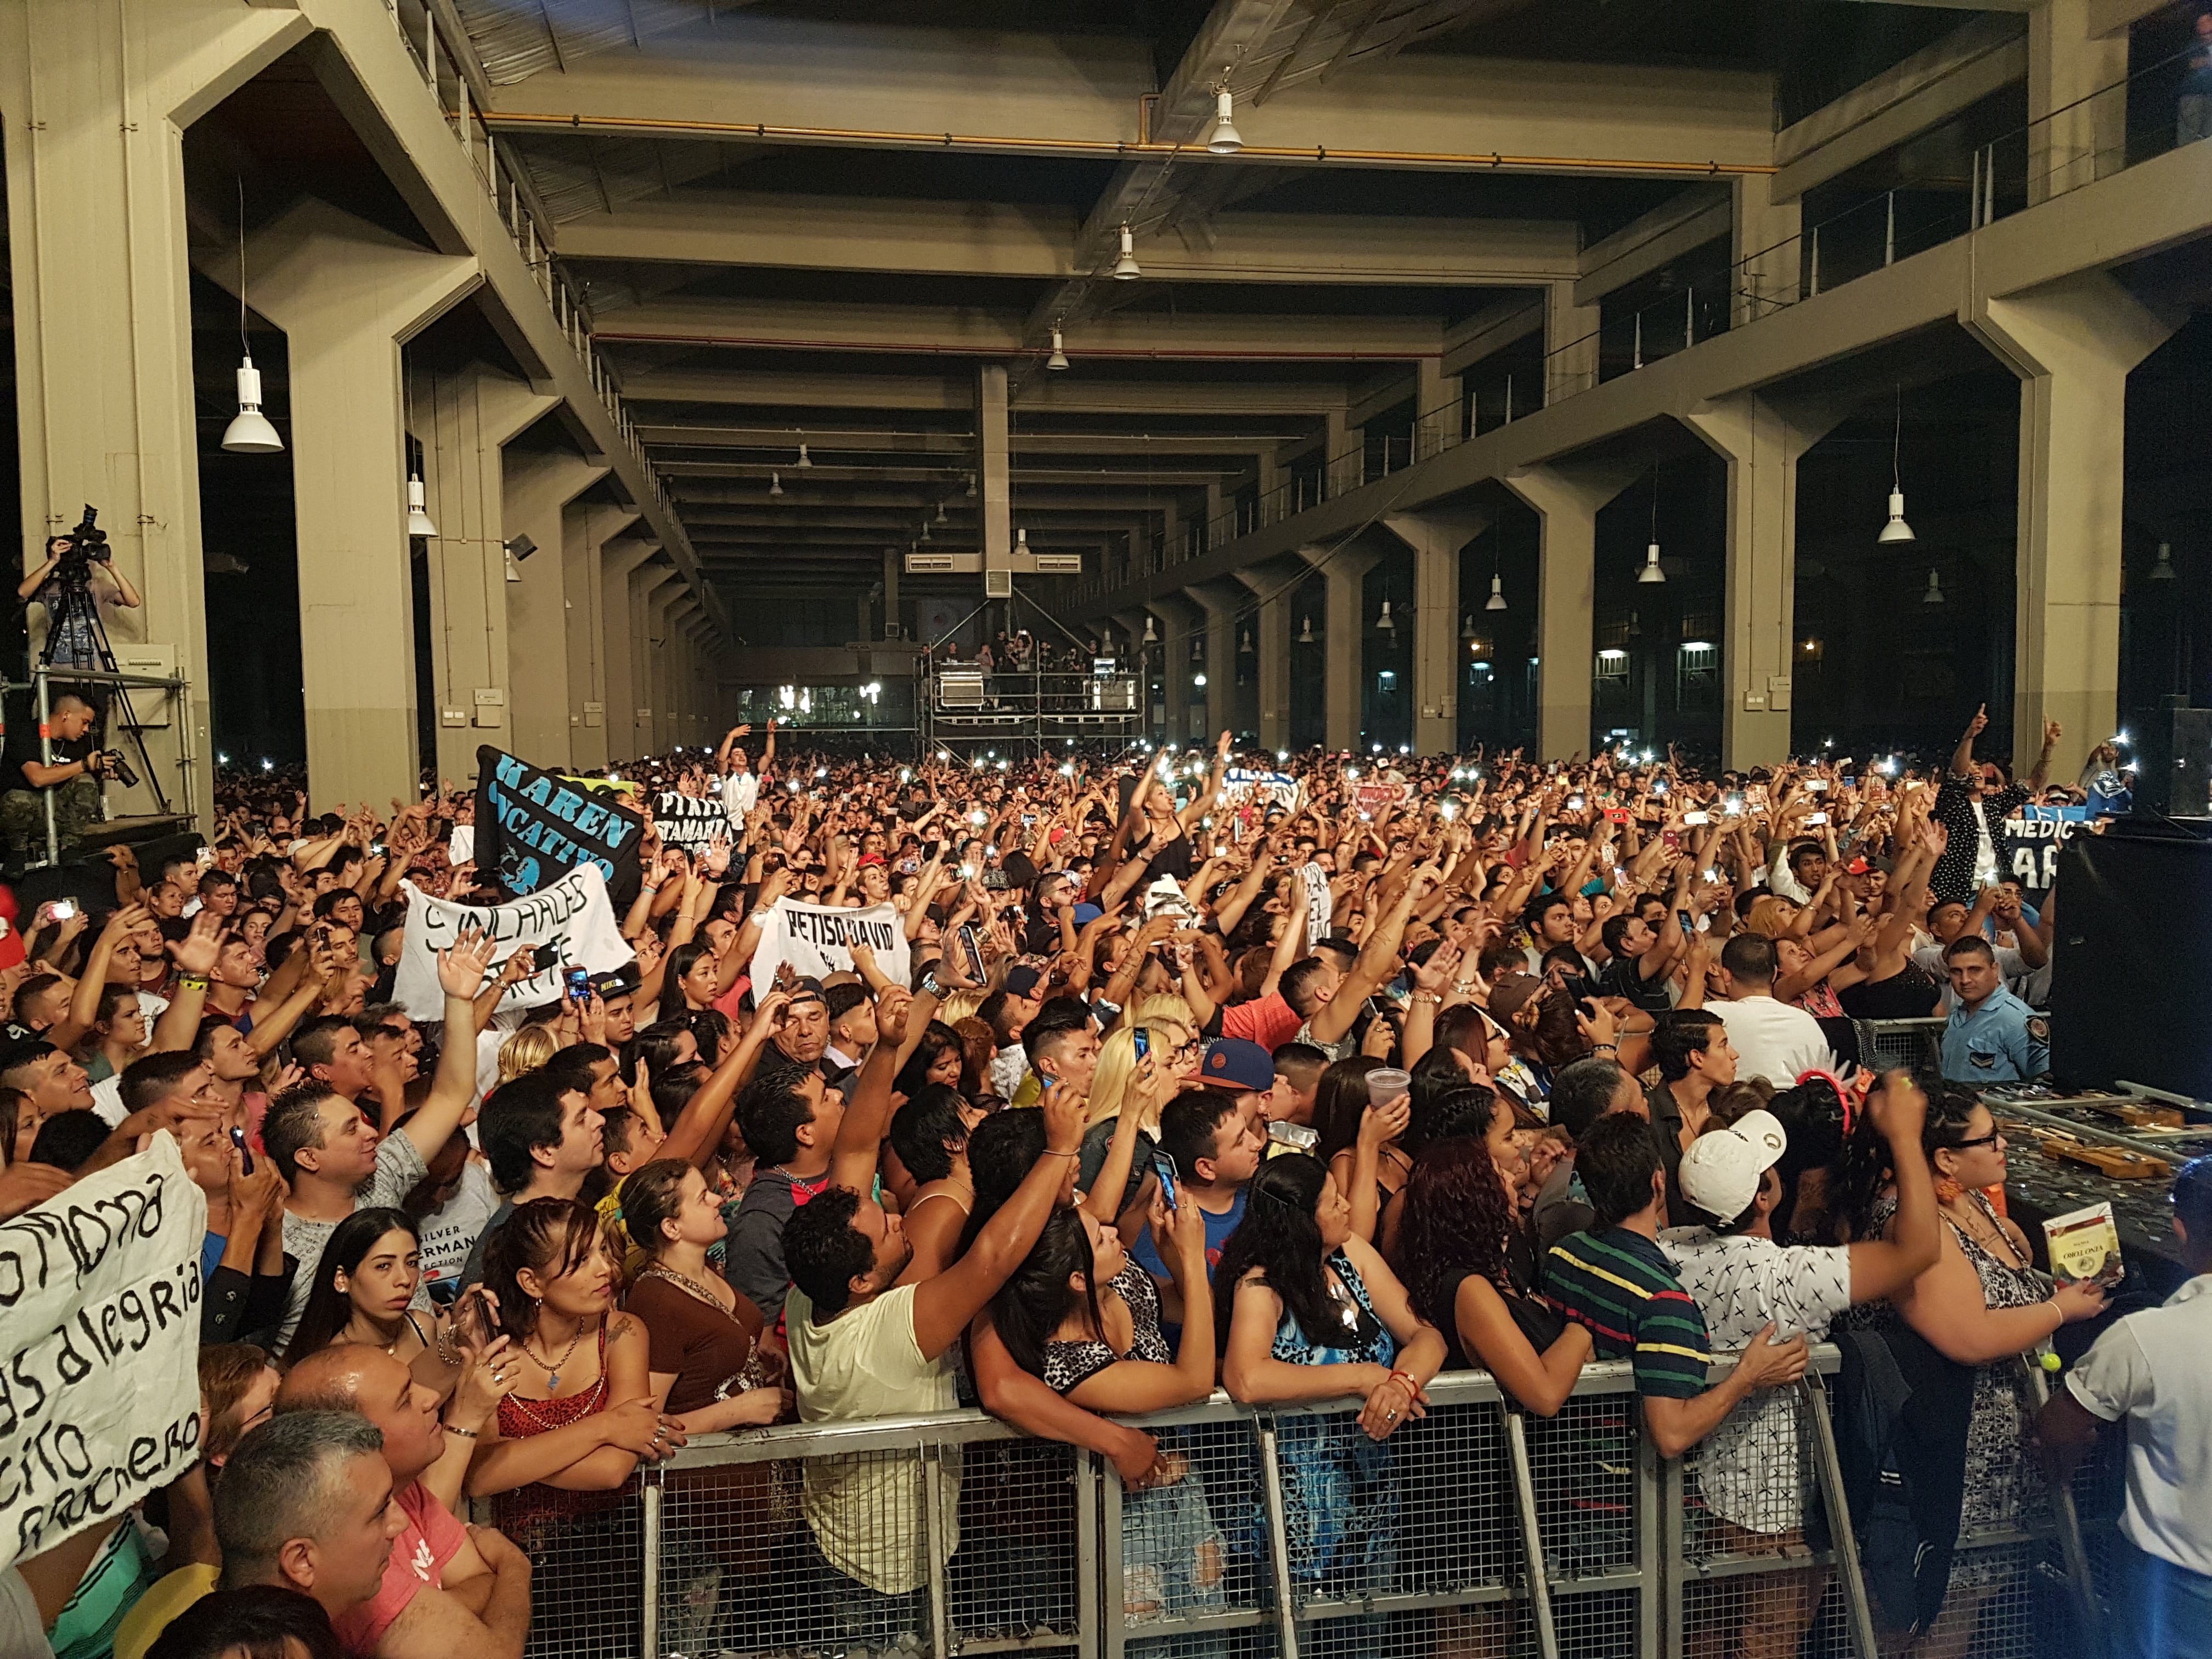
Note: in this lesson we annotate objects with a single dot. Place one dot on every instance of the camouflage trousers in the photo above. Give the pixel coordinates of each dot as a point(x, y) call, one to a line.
point(23, 817)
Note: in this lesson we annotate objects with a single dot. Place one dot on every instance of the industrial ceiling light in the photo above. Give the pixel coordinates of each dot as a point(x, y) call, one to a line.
point(419, 521)
point(1935, 593)
point(2162, 571)
point(971, 486)
point(249, 432)
point(1245, 650)
point(940, 514)
point(1126, 269)
point(1307, 638)
point(1151, 638)
point(924, 529)
point(1059, 358)
point(1022, 540)
point(775, 486)
point(1224, 140)
point(1897, 530)
point(1651, 572)
point(1197, 649)
point(804, 459)
point(1467, 627)
point(1496, 600)
point(1382, 623)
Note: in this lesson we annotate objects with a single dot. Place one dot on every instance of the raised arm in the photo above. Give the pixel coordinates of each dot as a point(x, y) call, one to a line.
point(868, 1112)
point(453, 1088)
point(1962, 757)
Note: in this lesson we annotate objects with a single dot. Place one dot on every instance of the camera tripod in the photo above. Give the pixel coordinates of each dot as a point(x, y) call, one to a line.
point(74, 616)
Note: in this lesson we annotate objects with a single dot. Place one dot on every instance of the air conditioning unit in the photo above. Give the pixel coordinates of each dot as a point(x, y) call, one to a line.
point(997, 584)
point(960, 687)
point(924, 564)
point(1060, 564)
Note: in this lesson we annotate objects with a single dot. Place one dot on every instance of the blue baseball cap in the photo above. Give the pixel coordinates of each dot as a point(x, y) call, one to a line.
point(1233, 1063)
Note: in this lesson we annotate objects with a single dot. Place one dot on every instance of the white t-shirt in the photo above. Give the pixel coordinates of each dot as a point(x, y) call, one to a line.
point(1773, 1039)
point(450, 1232)
point(866, 1509)
point(108, 1101)
point(1755, 1468)
point(2154, 1368)
point(739, 790)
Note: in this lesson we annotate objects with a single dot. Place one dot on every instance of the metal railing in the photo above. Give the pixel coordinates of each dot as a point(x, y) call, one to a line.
point(2098, 135)
point(1286, 1533)
point(45, 682)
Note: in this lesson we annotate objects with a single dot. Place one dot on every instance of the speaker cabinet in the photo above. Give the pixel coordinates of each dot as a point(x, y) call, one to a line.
point(2128, 980)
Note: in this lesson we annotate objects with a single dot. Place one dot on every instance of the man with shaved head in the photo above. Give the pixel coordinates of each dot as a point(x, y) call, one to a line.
point(446, 1588)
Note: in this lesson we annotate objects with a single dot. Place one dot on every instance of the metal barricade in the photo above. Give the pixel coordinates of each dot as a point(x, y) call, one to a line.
point(1885, 1044)
point(1285, 1534)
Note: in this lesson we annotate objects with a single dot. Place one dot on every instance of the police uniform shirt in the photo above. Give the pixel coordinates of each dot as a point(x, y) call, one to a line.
point(2003, 1041)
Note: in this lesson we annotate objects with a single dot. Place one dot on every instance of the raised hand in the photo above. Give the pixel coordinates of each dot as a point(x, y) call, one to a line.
point(197, 951)
point(461, 970)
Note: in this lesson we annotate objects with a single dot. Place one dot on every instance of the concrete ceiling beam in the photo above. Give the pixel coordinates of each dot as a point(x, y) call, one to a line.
point(1063, 394)
point(958, 444)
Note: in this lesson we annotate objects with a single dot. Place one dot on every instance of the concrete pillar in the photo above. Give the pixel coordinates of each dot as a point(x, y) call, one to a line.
point(1763, 248)
point(997, 467)
point(1218, 606)
point(645, 676)
point(1440, 406)
point(1139, 659)
point(1177, 629)
point(2086, 136)
point(1761, 441)
point(1567, 500)
point(586, 535)
point(620, 561)
point(1436, 539)
point(540, 486)
point(349, 295)
point(892, 573)
point(1344, 571)
point(98, 98)
point(1570, 343)
point(2072, 344)
point(1274, 586)
point(464, 416)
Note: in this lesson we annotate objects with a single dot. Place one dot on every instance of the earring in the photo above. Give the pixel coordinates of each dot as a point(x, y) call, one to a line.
point(1948, 1190)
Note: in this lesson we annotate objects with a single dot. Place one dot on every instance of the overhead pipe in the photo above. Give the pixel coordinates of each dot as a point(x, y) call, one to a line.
point(1491, 161)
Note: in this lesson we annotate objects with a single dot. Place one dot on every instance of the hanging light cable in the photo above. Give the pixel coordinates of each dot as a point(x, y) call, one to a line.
point(1651, 572)
point(249, 432)
point(418, 520)
point(1897, 530)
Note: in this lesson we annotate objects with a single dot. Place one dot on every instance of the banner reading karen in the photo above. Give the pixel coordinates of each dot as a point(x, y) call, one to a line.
point(532, 827)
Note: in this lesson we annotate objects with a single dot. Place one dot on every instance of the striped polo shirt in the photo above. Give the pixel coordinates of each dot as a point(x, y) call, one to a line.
point(1618, 1285)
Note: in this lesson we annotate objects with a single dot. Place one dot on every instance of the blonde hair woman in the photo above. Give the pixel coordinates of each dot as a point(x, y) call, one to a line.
point(525, 1051)
point(1175, 1048)
point(961, 1004)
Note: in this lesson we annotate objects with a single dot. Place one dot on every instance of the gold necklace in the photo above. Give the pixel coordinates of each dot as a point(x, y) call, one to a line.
point(553, 1372)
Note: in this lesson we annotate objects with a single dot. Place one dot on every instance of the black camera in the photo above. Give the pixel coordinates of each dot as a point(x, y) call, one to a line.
point(87, 543)
point(113, 765)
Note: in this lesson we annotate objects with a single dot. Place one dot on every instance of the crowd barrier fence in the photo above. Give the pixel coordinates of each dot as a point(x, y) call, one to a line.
point(1288, 1537)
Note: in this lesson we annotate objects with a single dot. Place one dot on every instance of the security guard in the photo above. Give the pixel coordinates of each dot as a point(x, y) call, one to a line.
point(1992, 1037)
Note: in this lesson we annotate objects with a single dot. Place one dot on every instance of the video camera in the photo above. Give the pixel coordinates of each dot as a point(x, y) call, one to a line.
point(88, 546)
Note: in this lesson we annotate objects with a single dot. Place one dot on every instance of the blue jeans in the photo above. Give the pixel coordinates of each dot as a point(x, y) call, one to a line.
point(858, 1616)
point(2159, 1610)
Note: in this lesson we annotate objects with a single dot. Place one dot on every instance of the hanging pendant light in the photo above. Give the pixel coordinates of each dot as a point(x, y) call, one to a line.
point(1197, 649)
point(804, 459)
point(1496, 600)
point(1897, 530)
point(1125, 268)
point(1151, 638)
point(1651, 572)
point(249, 432)
point(924, 529)
point(1935, 593)
point(940, 514)
point(1382, 623)
point(1224, 140)
point(971, 486)
point(1245, 650)
point(1022, 540)
point(775, 486)
point(1467, 627)
point(419, 521)
point(2163, 571)
point(1307, 638)
point(1059, 358)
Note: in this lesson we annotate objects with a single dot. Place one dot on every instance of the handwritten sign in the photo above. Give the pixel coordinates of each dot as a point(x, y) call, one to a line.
point(690, 821)
point(100, 1304)
point(817, 940)
point(572, 919)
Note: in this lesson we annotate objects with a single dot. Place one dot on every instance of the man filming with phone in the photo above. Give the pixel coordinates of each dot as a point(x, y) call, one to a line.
point(73, 777)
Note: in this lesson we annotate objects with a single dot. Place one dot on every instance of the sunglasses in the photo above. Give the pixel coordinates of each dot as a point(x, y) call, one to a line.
point(1990, 1139)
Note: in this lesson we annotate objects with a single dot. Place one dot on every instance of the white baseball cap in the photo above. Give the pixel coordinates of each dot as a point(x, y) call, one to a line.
point(1721, 1170)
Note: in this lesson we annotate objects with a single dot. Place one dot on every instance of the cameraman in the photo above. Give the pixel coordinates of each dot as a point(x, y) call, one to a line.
point(74, 777)
point(69, 639)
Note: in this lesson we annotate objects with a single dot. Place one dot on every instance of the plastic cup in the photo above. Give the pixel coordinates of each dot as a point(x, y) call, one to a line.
point(1387, 1083)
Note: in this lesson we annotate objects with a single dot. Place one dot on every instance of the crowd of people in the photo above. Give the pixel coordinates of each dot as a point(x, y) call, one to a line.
point(1309, 1086)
